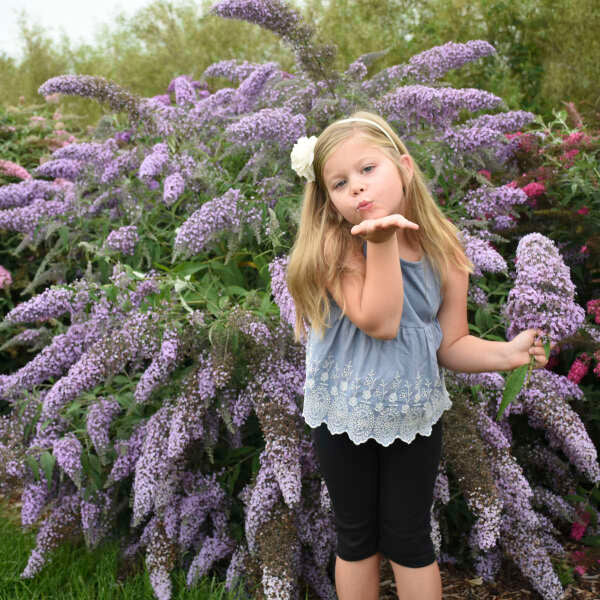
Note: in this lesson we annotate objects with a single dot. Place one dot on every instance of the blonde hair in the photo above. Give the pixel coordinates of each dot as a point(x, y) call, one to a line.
point(323, 231)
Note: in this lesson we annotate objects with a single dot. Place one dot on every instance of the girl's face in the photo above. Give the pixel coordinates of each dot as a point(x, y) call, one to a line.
point(362, 182)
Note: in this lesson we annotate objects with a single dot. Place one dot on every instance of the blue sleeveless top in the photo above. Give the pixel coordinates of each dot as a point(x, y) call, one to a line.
point(380, 389)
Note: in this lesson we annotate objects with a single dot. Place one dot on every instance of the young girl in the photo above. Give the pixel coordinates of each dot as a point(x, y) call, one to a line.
point(381, 276)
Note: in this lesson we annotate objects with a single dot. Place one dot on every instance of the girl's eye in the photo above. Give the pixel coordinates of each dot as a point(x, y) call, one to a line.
point(368, 168)
point(339, 184)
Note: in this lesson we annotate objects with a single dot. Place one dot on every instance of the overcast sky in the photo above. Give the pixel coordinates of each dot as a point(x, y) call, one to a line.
point(78, 18)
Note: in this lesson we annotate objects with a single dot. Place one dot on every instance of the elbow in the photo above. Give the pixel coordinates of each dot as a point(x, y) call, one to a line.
point(387, 329)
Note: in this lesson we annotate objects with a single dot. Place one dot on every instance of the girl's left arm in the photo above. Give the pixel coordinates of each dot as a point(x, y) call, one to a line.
point(460, 351)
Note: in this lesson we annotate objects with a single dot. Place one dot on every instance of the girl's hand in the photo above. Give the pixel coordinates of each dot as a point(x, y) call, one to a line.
point(382, 229)
point(526, 344)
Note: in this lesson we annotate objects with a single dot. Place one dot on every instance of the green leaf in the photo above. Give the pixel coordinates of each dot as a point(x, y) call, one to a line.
point(33, 465)
point(514, 383)
point(573, 498)
point(547, 349)
point(48, 461)
point(591, 540)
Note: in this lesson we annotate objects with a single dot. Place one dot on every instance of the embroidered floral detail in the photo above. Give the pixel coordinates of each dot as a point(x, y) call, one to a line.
point(373, 408)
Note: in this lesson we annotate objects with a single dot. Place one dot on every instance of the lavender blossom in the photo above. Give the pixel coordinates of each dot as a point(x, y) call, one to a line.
point(543, 295)
point(505, 122)
point(545, 402)
point(437, 61)
point(489, 202)
point(482, 255)
point(261, 498)
point(527, 551)
point(124, 163)
point(477, 296)
point(98, 88)
point(228, 212)
point(488, 564)
point(21, 194)
point(99, 418)
point(67, 452)
point(173, 188)
point(231, 69)
point(557, 506)
point(53, 361)
point(50, 304)
point(236, 567)
point(437, 106)
point(277, 125)
point(152, 465)
point(468, 139)
point(212, 550)
point(279, 289)
point(160, 368)
point(184, 92)
point(154, 163)
point(270, 14)
point(63, 168)
point(63, 520)
point(123, 239)
point(33, 500)
point(95, 364)
point(95, 519)
point(250, 89)
point(128, 452)
point(357, 70)
point(86, 152)
point(26, 219)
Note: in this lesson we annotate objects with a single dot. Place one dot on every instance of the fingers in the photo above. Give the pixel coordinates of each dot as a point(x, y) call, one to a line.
point(389, 222)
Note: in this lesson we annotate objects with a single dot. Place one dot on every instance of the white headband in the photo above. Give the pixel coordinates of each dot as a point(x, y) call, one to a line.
point(387, 135)
point(303, 152)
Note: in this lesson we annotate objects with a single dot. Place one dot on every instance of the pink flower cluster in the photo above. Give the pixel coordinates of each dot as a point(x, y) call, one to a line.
point(13, 170)
point(534, 189)
point(568, 158)
point(578, 528)
point(5, 278)
point(593, 308)
point(579, 368)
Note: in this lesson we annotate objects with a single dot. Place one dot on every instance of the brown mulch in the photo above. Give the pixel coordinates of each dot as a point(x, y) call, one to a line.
point(510, 584)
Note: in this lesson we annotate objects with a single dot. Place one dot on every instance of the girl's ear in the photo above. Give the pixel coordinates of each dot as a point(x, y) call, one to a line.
point(407, 163)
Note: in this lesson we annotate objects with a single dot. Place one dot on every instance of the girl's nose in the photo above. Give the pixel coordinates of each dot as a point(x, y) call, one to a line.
point(357, 187)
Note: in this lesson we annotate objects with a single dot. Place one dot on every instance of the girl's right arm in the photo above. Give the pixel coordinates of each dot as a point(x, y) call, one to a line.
point(374, 295)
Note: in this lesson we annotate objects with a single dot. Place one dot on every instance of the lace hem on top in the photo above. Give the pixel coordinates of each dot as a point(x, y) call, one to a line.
point(382, 412)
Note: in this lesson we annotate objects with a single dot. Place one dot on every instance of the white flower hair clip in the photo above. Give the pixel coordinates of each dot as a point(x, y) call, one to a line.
point(302, 156)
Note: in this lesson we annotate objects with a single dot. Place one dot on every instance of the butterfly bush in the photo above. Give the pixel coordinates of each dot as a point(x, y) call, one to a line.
point(123, 239)
point(154, 378)
point(543, 295)
point(436, 62)
point(228, 213)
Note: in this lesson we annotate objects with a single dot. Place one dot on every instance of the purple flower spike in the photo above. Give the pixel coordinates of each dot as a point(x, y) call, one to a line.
point(123, 240)
point(482, 255)
point(63, 167)
point(173, 188)
point(269, 124)
point(67, 451)
point(154, 163)
point(544, 295)
point(98, 88)
point(436, 62)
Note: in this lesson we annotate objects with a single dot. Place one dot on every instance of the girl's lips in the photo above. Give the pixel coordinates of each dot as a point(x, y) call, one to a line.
point(365, 206)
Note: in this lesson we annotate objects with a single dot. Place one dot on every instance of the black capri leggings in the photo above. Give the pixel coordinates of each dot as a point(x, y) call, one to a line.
point(381, 495)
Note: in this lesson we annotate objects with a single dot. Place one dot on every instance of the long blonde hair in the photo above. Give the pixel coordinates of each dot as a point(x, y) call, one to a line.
point(324, 231)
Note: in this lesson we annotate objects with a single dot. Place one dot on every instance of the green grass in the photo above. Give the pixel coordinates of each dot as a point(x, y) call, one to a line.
point(74, 573)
